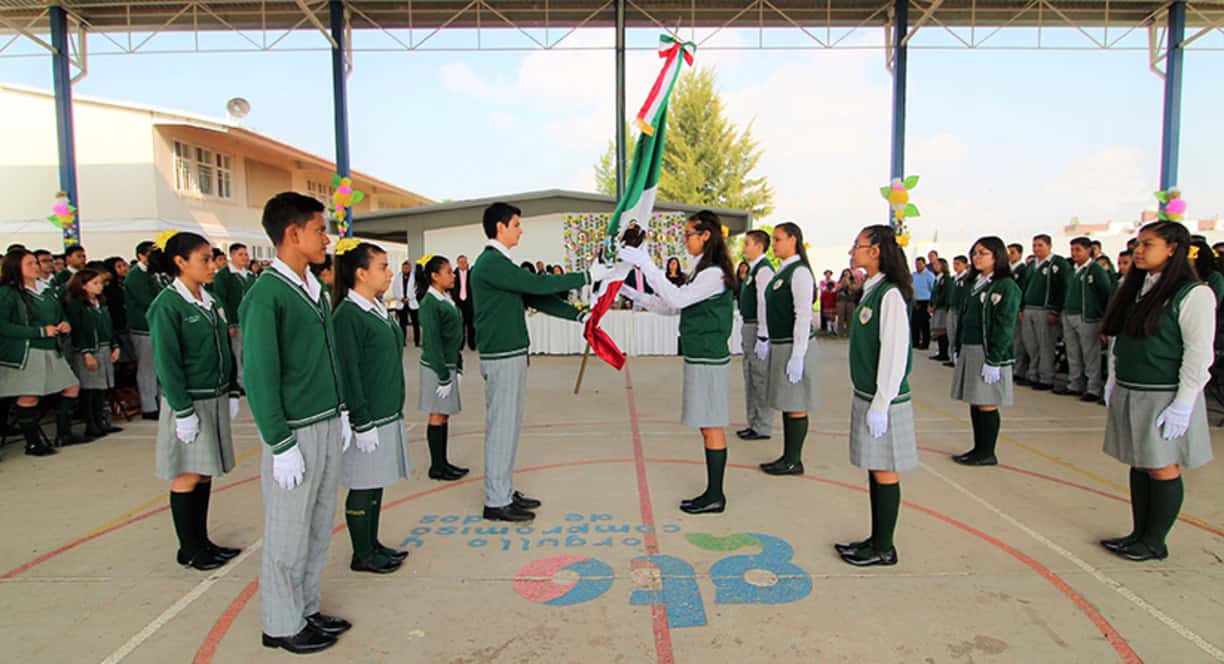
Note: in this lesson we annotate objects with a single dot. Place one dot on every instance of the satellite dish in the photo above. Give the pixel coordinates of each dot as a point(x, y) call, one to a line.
point(237, 108)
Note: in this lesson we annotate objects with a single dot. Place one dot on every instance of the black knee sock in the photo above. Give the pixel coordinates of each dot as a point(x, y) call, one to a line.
point(357, 513)
point(1140, 488)
point(885, 506)
point(1165, 503)
point(716, 467)
point(794, 430)
point(201, 496)
point(63, 416)
point(943, 345)
point(873, 496)
point(975, 420)
point(27, 420)
point(375, 512)
point(436, 435)
point(986, 432)
point(182, 509)
point(92, 404)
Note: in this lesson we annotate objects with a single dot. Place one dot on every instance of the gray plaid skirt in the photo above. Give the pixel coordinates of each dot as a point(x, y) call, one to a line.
point(706, 395)
point(967, 383)
point(386, 465)
point(1132, 437)
point(46, 372)
point(102, 378)
point(896, 450)
point(212, 452)
point(428, 401)
point(939, 319)
point(788, 397)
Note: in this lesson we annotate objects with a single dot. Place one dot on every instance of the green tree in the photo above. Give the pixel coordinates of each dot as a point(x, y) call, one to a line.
point(707, 160)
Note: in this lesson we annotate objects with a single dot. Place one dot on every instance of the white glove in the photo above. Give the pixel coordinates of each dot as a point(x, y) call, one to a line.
point(598, 271)
point(877, 421)
point(762, 349)
point(458, 379)
point(1174, 421)
point(187, 428)
point(234, 407)
point(367, 440)
point(991, 374)
point(794, 369)
point(444, 391)
point(636, 256)
point(955, 358)
point(346, 431)
point(1109, 388)
point(630, 293)
point(288, 467)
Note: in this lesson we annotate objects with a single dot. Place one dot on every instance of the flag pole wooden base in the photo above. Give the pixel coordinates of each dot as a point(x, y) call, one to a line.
point(586, 354)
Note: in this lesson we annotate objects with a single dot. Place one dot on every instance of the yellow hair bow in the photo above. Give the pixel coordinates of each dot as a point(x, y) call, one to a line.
point(424, 259)
point(163, 238)
point(346, 245)
point(1194, 251)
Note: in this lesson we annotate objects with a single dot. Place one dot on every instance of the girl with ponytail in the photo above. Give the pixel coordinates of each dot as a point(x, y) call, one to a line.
point(441, 360)
point(370, 347)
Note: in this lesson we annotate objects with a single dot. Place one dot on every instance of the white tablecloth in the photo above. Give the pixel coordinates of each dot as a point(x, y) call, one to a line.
point(635, 333)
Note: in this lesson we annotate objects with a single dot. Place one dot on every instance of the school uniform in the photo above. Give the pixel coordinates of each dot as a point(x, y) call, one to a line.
point(1216, 281)
point(293, 387)
point(502, 292)
point(230, 286)
point(1149, 375)
point(957, 293)
point(1044, 294)
point(31, 363)
point(788, 310)
point(755, 329)
point(139, 289)
point(985, 337)
point(92, 333)
point(1087, 298)
point(1020, 273)
point(880, 361)
point(442, 336)
point(939, 301)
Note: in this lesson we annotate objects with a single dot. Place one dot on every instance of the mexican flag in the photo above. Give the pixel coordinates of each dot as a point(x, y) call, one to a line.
point(637, 201)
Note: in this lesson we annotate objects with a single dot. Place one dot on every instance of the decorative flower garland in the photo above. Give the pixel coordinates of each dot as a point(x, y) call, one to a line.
point(897, 195)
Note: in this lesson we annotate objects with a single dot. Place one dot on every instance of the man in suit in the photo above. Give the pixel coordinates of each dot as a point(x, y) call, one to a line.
point(461, 293)
point(637, 281)
point(403, 289)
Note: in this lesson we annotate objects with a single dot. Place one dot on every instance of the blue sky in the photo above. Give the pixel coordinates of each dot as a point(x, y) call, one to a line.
point(1011, 142)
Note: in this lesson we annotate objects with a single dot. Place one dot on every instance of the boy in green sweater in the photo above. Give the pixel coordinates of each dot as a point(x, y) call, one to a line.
point(502, 291)
point(1084, 307)
point(293, 387)
point(231, 285)
point(1045, 290)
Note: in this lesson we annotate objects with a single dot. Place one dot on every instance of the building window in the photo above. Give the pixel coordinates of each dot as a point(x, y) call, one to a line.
point(320, 191)
point(202, 171)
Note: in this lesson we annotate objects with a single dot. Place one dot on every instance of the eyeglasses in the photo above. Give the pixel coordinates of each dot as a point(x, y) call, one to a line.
point(689, 234)
point(856, 247)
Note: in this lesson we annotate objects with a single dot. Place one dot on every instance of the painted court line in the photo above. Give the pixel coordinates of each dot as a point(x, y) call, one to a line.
point(1180, 629)
point(177, 608)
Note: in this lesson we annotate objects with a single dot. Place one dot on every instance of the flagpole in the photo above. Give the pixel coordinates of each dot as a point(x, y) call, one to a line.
point(586, 355)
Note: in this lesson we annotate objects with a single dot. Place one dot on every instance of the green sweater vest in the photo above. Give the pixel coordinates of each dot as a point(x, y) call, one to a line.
point(1089, 292)
point(139, 289)
point(441, 337)
point(501, 293)
point(1046, 288)
point(229, 288)
point(290, 368)
point(191, 351)
point(747, 294)
point(371, 351)
point(1216, 281)
point(23, 328)
point(988, 318)
point(705, 328)
point(91, 327)
point(780, 304)
point(865, 346)
point(1154, 363)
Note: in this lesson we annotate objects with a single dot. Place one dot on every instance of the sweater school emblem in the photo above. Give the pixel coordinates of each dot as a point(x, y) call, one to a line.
point(865, 315)
point(777, 285)
point(995, 297)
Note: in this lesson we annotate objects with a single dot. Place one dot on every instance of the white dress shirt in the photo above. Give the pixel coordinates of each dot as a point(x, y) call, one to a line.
point(365, 304)
point(312, 286)
point(1197, 323)
point(669, 299)
point(762, 283)
point(894, 344)
point(803, 289)
point(205, 300)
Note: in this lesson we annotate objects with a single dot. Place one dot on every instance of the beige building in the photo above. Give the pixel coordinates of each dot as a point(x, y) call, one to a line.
point(142, 169)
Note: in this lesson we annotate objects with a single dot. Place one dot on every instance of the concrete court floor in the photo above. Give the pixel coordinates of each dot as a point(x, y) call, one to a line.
point(997, 565)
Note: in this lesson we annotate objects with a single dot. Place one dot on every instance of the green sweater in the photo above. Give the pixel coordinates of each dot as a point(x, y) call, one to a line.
point(229, 287)
point(958, 291)
point(139, 289)
point(780, 304)
point(191, 351)
point(370, 349)
point(24, 327)
point(747, 294)
point(441, 337)
point(1216, 281)
point(705, 328)
point(865, 346)
point(91, 327)
point(290, 368)
point(1089, 292)
point(988, 318)
point(1046, 288)
point(939, 294)
point(501, 293)
point(1154, 363)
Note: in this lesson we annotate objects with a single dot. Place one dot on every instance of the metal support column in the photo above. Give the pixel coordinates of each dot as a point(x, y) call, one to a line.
point(340, 96)
point(63, 118)
point(622, 158)
point(1171, 126)
point(899, 70)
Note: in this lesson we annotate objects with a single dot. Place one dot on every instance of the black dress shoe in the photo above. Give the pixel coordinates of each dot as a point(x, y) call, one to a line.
point(329, 625)
point(306, 641)
point(772, 464)
point(110, 428)
point(977, 460)
point(950, 364)
point(1116, 543)
point(744, 432)
point(785, 469)
point(150, 416)
point(510, 512)
point(375, 563)
point(525, 502)
point(394, 554)
point(1139, 552)
point(1062, 392)
point(40, 450)
point(1041, 387)
point(868, 556)
point(961, 458)
point(753, 435)
point(444, 474)
point(457, 469)
point(699, 507)
point(1020, 380)
point(1090, 398)
point(204, 560)
point(223, 552)
point(852, 546)
point(72, 439)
